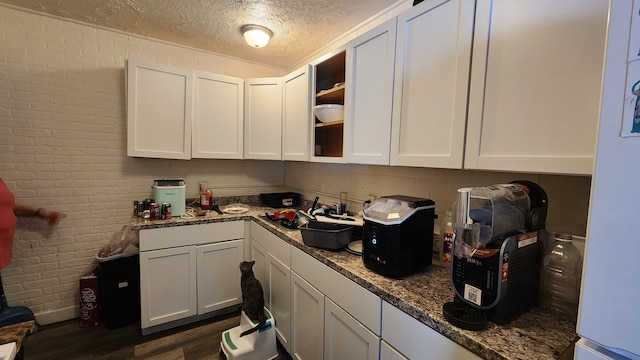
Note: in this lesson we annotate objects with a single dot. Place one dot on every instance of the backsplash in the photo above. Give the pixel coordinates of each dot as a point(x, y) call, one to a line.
point(568, 195)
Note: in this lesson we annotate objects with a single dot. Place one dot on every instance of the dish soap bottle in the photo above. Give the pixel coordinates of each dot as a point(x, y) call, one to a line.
point(205, 198)
point(446, 237)
point(560, 280)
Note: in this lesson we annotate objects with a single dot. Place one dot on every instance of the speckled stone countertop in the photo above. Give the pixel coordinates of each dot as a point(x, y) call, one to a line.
point(536, 334)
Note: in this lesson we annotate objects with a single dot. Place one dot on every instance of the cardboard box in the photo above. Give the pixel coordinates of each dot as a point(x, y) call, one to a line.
point(89, 311)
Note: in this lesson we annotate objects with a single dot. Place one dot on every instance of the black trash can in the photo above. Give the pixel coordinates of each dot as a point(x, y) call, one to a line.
point(119, 298)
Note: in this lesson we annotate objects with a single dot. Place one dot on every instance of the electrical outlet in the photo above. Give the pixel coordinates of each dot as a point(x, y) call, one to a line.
point(203, 185)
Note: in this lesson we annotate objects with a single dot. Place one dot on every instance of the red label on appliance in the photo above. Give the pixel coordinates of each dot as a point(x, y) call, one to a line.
point(527, 239)
point(485, 253)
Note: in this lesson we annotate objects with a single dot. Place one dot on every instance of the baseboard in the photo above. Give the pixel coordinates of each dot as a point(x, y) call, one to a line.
point(189, 320)
point(58, 315)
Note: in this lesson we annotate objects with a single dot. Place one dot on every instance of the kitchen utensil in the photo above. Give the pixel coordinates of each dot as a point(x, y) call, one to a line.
point(302, 220)
point(289, 220)
point(342, 205)
point(235, 209)
point(345, 220)
point(325, 235)
point(216, 208)
point(307, 215)
point(354, 247)
point(329, 112)
point(315, 203)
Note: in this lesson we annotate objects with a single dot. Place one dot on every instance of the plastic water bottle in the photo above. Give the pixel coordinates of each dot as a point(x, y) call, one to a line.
point(561, 274)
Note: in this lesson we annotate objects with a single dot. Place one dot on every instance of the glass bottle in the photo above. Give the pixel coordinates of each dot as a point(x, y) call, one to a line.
point(205, 199)
point(560, 280)
point(446, 238)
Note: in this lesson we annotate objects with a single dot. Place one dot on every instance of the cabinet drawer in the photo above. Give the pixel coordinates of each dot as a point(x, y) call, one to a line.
point(356, 300)
point(415, 339)
point(279, 248)
point(162, 238)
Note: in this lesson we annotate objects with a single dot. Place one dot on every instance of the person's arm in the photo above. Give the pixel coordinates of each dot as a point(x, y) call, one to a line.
point(52, 217)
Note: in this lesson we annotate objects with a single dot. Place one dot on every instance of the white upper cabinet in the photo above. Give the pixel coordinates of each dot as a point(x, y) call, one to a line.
point(433, 53)
point(159, 99)
point(368, 102)
point(535, 85)
point(218, 112)
point(296, 112)
point(263, 119)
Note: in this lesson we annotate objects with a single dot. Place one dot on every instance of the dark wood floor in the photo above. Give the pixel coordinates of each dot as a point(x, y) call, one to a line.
point(67, 340)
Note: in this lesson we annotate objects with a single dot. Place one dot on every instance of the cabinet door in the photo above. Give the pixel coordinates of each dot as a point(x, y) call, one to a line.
point(433, 52)
point(346, 338)
point(260, 256)
point(307, 324)
point(369, 71)
point(218, 117)
point(296, 114)
point(280, 299)
point(415, 339)
point(275, 277)
point(535, 85)
point(159, 99)
point(167, 285)
point(389, 353)
point(263, 119)
point(219, 275)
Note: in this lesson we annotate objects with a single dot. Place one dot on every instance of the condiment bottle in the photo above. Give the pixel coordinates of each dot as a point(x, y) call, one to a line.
point(205, 199)
point(446, 236)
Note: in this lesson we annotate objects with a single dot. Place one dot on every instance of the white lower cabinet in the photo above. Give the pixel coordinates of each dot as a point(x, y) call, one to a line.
point(324, 315)
point(167, 285)
point(187, 271)
point(333, 317)
point(345, 337)
point(415, 340)
point(218, 276)
point(272, 269)
point(307, 320)
point(389, 353)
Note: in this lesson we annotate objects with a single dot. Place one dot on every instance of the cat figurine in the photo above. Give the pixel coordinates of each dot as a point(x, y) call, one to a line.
point(252, 296)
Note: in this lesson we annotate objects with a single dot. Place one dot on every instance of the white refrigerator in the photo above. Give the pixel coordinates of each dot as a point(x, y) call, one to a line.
point(609, 317)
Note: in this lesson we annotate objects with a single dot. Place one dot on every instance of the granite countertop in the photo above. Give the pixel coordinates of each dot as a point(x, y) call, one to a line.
point(534, 334)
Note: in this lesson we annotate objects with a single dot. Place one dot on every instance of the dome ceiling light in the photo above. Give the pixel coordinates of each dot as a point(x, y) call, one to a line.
point(256, 36)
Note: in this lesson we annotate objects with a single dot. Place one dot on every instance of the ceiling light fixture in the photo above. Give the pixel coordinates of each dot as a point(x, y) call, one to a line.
point(256, 36)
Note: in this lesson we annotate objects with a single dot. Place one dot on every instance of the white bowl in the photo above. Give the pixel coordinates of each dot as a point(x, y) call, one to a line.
point(329, 112)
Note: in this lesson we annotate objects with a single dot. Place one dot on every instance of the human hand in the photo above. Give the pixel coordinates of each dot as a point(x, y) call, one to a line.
point(52, 217)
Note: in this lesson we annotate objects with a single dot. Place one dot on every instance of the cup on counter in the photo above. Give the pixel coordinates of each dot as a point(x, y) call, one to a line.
point(342, 205)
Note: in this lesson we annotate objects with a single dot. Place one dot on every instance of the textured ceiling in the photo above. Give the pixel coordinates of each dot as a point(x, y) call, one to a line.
point(300, 27)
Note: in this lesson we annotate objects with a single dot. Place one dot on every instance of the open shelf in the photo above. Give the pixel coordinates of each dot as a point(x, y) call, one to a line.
point(335, 95)
point(332, 123)
point(328, 137)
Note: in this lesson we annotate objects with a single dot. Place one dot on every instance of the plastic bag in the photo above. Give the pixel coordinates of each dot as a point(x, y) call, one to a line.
point(122, 244)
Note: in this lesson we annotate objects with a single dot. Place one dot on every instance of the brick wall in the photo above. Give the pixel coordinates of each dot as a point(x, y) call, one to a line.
point(63, 146)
